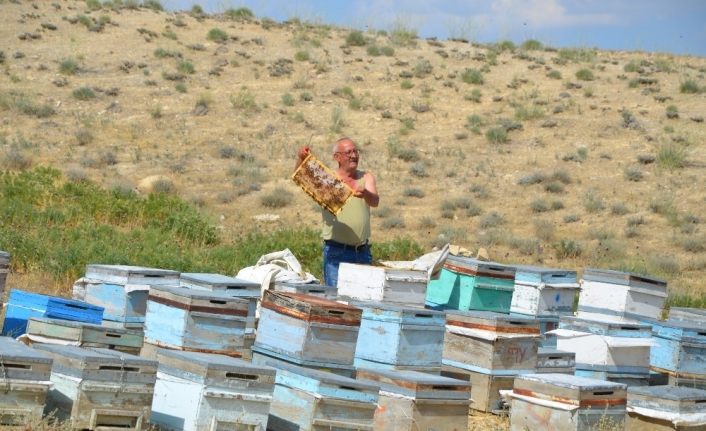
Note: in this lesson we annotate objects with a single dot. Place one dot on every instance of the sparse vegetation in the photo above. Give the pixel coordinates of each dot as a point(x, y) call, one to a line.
point(68, 66)
point(84, 93)
point(355, 38)
point(277, 198)
point(217, 35)
point(472, 76)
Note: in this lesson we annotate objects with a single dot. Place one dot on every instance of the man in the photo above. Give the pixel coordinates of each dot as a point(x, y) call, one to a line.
point(346, 235)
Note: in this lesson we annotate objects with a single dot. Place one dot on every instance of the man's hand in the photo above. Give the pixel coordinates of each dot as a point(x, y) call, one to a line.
point(303, 153)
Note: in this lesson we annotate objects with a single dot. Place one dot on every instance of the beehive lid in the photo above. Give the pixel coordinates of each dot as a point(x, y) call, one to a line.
point(608, 327)
point(416, 384)
point(383, 311)
point(697, 315)
point(568, 389)
point(99, 364)
point(624, 278)
point(479, 268)
point(17, 361)
point(693, 332)
point(213, 281)
point(311, 308)
point(199, 300)
point(199, 366)
point(307, 289)
point(327, 385)
point(494, 322)
point(44, 327)
point(673, 399)
point(549, 276)
point(126, 274)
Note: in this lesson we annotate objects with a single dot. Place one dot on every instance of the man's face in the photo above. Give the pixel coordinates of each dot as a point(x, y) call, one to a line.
point(347, 155)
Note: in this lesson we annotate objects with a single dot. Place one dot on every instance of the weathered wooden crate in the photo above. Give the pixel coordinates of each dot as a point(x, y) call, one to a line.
point(200, 391)
point(471, 284)
point(491, 343)
point(555, 361)
point(23, 305)
point(697, 315)
point(397, 336)
point(308, 328)
point(188, 319)
point(24, 382)
point(623, 294)
point(661, 408)
point(607, 348)
point(99, 389)
point(697, 381)
point(411, 400)
point(627, 378)
point(131, 275)
point(544, 291)
point(382, 284)
point(4, 270)
point(313, 289)
point(231, 286)
point(562, 402)
point(485, 388)
point(311, 400)
point(680, 347)
point(263, 356)
point(56, 331)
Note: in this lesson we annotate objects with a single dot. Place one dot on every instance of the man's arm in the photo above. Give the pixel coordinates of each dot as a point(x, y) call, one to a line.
point(370, 192)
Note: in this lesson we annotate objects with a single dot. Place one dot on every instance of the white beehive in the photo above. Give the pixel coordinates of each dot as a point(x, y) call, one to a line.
point(544, 291)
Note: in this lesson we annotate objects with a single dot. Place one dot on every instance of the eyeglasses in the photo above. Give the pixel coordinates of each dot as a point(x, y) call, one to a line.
point(353, 152)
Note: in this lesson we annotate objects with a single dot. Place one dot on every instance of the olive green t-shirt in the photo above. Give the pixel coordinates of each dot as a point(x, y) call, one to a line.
point(352, 225)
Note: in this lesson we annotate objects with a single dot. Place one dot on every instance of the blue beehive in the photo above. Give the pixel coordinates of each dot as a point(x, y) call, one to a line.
point(393, 336)
point(122, 291)
point(23, 305)
point(680, 349)
point(188, 319)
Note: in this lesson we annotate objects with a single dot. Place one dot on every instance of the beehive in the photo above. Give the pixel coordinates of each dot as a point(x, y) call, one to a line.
point(24, 381)
point(491, 343)
point(188, 319)
point(697, 315)
point(263, 356)
point(382, 284)
point(307, 328)
point(97, 388)
point(622, 294)
point(555, 361)
point(411, 400)
point(200, 391)
point(393, 336)
point(544, 291)
point(311, 400)
point(313, 289)
point(485, 388)
point(23, 305)
point(680, 348)
point(53, 331)
point(471, 284)
point(566, 403)
point(661, 408)
point(617, 350)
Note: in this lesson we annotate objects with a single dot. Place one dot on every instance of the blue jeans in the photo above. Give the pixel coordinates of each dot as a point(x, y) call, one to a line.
point(334, 254)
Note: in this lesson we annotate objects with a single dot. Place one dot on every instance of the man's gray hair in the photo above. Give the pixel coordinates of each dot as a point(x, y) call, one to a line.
point(335, 144)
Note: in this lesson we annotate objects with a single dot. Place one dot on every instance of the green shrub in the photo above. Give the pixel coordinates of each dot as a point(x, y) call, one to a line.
point(239, 13)
point(403, 36)
point(689, 86)
point(244, 101)
point(406, 84)
point(393, 223)
point(532, 45)
point(84, 93)
point(567, 249)
point(418, 170)
point(355, 38)
point(584, 75)
point(387, 51)
point(497, 135)
point(672, 112)
point(671, 156)
point(152, 4)
point(633, 174)
point(492, 219)
point(217, 35)
point(277, 198)
point(472, 76)
point(373, 50)
point(302, 56)
point(68, 66)
point(186, 66)
point(414, 193)
point(288, 99)
point(554, 74)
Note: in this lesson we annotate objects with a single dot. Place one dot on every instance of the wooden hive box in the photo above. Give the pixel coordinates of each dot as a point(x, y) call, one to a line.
point(661, 408)
point(411, 400)
point(56, 331)
point(100, 389)
point(201, 391)
point(313, 289)
point(23, 305)
point(485, 388)
point(4, 270)
point(544, 291)
point(617, 350)
point(477, 285)
point(231, 286)
point(555, 361)
point(382, 284)
point(680, 348)
point(623, 294)
point(566, 403)
point(312, 400)
point(491, 343)
point(122, 290)
point(24, 382)
point(697, 315)
point(307, 329)
point(198, 320)
point(393, 336)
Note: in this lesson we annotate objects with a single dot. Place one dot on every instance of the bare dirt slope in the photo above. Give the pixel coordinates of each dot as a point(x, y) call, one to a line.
point(565, 158)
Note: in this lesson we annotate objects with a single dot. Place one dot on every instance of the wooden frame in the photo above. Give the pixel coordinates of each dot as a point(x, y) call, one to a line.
point(322, 184)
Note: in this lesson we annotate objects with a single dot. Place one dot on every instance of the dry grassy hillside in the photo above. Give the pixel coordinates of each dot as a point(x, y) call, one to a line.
point(565, 158)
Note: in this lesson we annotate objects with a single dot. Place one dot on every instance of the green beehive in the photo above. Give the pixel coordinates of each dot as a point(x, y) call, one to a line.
point(471, 284)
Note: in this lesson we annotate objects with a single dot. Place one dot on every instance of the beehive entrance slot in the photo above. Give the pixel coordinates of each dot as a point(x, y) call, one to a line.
point(117, 368)
point(335, 312)
point(241, 376)
point(603, 393)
